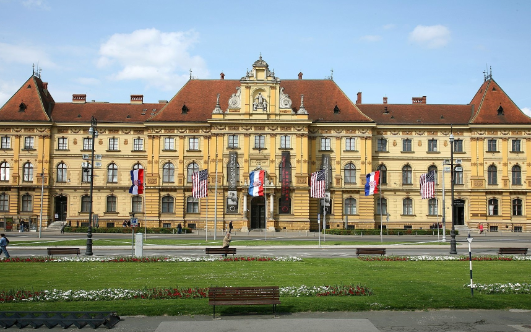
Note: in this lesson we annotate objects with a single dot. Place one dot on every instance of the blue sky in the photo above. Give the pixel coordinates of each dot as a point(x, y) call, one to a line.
point(399, 49)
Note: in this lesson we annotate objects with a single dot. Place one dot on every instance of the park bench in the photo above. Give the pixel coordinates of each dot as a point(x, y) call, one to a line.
point(370, 251)
point(222, 251)
point(508, 251)
point(243, 296)
point(61, 251)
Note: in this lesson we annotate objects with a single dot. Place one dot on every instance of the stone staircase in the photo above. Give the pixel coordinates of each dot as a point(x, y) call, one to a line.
point(55, 226)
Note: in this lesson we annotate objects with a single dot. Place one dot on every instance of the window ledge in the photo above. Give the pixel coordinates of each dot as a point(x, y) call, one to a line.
point(492, 151)
point(113, 150)
point(433, 152)
point(350, 150)
point(459, 152)
point(516, 152)
point(326, 151)
point(193, 150)
point(233, 148)
point(62, 150)
point(7, 149)
point(377, 151)
point(285, 148)
point(138, 150)
point(169, 150)
point(28, 149)
point(110, 213)
point(407, 151)
point(408, 215)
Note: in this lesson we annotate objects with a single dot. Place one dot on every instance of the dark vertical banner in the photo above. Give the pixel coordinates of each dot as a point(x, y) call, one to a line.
point(327, 170)
point(285, 174)
point(232, 170)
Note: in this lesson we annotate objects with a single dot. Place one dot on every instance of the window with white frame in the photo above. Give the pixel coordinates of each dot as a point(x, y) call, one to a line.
point(138, 166)
point(458, 145)
point(285, 142)
point(87, 143)
point(136, 204)
point(350, 173)
point(350, 144)
point(458, 174)
point(29, 143)
point(6, 142)
point(517, 207)
point(113, 144)
point(407, 206)
point(167, 204)
point(27, 172)
point(406, 145)
point(516, 145)
point(168, 171)
point(4, 202)
point(112, 173)
point(325, 144)
point(27, 203)
point(62, 143)
point(169, 143)
point(407, 175)
point(432, 145)
point(111, 203)
point(493, 207)
point(4, 171)
point(492, 173)
point(193, 143)
point(138, 144)
point(381, 145)
point(86, 172)
point(491, 145)
point(350, 206)
point(85, 203)
point(61, 172)
point(517, 175)
point(192, 205)
point(259, 142)
point(191, 169)
point(432, 207)
point(233, 141)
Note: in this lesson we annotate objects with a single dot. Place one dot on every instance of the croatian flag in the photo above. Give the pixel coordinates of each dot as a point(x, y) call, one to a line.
point(373, 180)
point(137, 180)
point(256, 183)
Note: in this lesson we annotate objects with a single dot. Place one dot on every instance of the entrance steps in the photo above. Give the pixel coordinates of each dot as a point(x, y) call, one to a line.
point(55, 226)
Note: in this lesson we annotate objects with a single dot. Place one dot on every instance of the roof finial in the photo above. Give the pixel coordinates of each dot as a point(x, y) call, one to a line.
point(190, 73)
point(260, 55)
point(332, 74)
point(490, 72)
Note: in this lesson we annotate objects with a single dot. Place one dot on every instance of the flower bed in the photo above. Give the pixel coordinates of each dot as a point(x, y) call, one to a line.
point(154, 259)
point(56, 295)
point(445, 258)
point(497, 288)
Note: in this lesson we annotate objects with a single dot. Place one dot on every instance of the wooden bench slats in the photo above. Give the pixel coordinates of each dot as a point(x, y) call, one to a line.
point(214, 251)
point(370, 251)
point(503, 251)
point(52, 251)
point(243, 296)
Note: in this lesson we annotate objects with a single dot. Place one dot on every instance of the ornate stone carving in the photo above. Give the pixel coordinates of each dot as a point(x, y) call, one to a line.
point(217, 109)
point(285, 101)
point(260, 103)
point(302, 110)
point(235, 99)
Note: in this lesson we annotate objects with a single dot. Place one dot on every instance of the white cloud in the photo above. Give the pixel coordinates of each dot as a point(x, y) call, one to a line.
point(434, 36)
point(371, 38)
point(36, 4)
point(527, 111)
point(160, 59)
point(25, 54)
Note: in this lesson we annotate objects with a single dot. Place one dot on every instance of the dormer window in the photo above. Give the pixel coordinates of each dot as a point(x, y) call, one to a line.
point(336, 110)
point(500, 110)
point(22, 107)
point(185, 109)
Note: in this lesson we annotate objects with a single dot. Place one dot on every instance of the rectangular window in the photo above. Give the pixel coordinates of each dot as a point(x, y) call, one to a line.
point(28, 143)
point(138, 144)
point(87, 143)
point(62, 143)
point(169, 143)
point(381, 145)
point(432, 145)
point(137, 204)
point(285, 142)
point(113, 144)
point(407, 205)
point(491, 145)
point(111, 203)
point(458, 145)
point(350, 144)
point(27, 203)
point(406, 145)
point(516, 145)
point(259, 142)
point(6, 142)
point(432, 207)
point(325, 144)
point(193, 144)
point(4, 202)
point(233, 141)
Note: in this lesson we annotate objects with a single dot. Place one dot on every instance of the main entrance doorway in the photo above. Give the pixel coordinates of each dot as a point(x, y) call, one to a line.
point(60, 208)
point(459, 211)
point(258, 212)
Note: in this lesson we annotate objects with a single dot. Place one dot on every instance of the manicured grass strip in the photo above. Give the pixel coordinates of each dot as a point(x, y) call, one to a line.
point(397, 285)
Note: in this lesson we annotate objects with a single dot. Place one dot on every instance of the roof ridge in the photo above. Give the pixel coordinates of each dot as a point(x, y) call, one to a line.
point(481, 102)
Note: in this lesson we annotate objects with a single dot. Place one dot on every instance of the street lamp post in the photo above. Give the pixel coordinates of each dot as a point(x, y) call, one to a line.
point(94, 133)
point(453, 249)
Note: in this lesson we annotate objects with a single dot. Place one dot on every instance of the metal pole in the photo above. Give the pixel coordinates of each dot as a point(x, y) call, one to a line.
point(42, 200)
point(453, 249)
point(469, 239)
point(216, 194)
point(381, 210)
point(93, 124)
point(324, 219)
point(443, 208)
point(266, 207)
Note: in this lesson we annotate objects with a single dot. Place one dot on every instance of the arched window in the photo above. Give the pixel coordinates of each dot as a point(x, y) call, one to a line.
point(433, 169)
point(350, 206)
point(112, 173)
point(192, 205)
point(111, 203)
point(137, 166)
point(517, 175)
point(168, 173)
point(493, 207)
point(136, 204)
point(383, 173)
point(350, 173)
point(167, 204)
point(27, 172)
point(458, 174)
point(27, 203)
point(492, 175)
point(381, 206)
point(407, 206)
point(87, 173)
point(85, 203)
point(4, 202)
point(61, 172)
point(407, 176)
point(432, 207)
point(192, 168)
point(517, 207)
point(4, 171)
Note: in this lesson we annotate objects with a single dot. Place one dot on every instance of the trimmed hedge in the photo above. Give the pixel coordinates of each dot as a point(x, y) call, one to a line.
point(156, 230)
point(387, 231)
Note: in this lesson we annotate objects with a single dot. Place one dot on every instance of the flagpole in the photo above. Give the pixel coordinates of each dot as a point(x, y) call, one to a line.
point(216, 196)
point(381, 210)
point(437, 211)
point(206, 217)
point(144, 204)
point(265, 212)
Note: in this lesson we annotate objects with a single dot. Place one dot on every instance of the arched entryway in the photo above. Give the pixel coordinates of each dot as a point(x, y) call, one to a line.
point(258, 220)
point(60, 208)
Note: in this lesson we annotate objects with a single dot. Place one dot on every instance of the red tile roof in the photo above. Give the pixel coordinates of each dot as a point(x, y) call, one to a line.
point(30, 103)
point(104, 112)
point(417, 114)
point(488, 100)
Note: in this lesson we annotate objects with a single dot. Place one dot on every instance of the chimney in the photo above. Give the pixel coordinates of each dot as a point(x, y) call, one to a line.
point(419, 100)
point(300, 76)
point(358, 100)
point(385, 100)
point(45, 85)
point(79, 98)
point(222, 76)
point(137, 99)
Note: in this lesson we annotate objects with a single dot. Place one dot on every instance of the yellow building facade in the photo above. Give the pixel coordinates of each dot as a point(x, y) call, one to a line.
point(288, 128)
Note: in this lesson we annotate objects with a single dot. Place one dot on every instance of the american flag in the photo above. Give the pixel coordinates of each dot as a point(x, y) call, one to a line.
point(427, 185)
point(200, 184)
point(318, 184)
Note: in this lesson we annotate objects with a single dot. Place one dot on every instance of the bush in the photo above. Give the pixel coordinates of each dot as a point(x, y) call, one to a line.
point(154, 230)
point(387, 231)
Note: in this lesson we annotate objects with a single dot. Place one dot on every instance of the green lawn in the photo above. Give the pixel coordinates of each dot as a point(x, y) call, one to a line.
point(396, 285)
